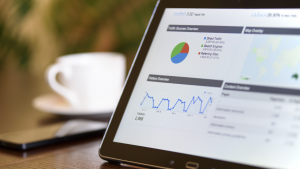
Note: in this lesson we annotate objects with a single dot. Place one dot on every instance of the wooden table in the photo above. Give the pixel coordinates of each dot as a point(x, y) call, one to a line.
point(17, 89)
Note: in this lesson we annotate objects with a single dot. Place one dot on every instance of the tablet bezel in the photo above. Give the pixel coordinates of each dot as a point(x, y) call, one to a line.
point(125, 153)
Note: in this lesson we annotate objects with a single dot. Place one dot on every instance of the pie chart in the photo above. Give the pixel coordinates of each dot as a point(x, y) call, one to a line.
point(180, 52)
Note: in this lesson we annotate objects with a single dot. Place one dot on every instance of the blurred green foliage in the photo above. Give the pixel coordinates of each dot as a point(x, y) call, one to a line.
point(10, 44)
point(83, 19)
point(78, 26)
point(23, 7)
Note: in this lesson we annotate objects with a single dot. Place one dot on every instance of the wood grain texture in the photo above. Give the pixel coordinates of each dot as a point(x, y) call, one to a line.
point(80, 154)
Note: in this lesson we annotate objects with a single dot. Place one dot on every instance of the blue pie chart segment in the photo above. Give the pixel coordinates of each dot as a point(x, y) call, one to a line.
point(179, 57)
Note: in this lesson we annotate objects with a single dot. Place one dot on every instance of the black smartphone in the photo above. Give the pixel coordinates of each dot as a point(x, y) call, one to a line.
point(54, 133)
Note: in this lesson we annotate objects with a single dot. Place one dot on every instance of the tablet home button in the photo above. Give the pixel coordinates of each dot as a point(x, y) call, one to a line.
point(192, 165)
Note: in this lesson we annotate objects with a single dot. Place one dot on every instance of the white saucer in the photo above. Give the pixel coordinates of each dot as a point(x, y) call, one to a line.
point(54, 103)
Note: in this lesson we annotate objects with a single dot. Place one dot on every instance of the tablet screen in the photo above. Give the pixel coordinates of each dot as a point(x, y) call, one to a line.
point(221, 84)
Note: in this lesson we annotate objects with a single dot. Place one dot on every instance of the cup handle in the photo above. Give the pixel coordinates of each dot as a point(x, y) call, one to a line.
point(51, 73)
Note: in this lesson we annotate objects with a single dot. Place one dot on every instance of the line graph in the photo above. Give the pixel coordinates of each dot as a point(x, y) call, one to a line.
point(186, 105)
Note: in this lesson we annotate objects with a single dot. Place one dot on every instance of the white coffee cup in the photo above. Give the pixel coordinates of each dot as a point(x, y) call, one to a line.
point(89, 81)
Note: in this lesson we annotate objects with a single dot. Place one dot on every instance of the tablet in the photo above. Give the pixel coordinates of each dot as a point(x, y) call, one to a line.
point(215, 84)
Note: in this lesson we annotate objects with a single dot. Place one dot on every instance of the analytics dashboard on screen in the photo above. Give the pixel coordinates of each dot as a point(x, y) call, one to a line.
point(221, 84)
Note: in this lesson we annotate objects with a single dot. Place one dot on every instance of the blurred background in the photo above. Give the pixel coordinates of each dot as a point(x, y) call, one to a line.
point(33, 33)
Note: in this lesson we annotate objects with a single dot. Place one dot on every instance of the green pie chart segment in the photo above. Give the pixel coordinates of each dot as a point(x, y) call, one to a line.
point(180, 52)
